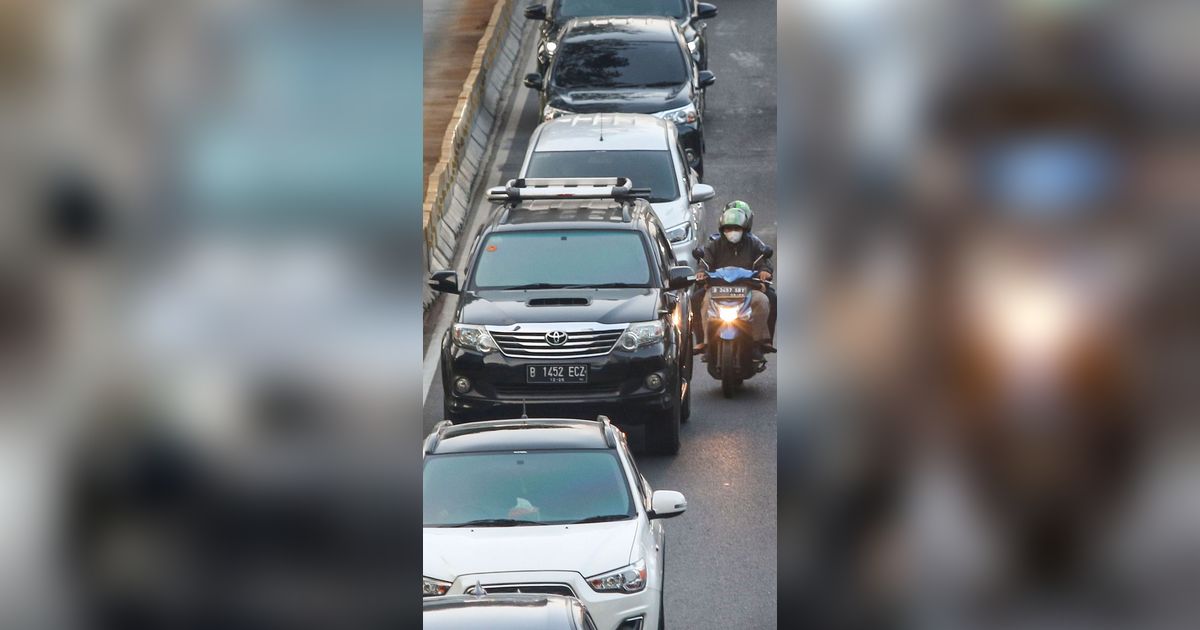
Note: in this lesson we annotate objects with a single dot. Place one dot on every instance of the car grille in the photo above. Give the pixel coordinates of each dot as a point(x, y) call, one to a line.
point(529, 344)
point(561, 390)
point(543, 589)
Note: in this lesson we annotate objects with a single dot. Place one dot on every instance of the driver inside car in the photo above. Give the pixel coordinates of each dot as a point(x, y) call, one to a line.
point(734, 249)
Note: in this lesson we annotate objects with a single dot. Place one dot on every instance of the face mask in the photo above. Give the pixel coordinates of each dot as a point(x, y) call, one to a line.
point(733, 235)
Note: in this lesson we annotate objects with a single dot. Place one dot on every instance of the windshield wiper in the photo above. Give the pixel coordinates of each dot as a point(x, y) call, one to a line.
point(601, 519)
point(605, 285)
point(532, 285)
point(493, 522)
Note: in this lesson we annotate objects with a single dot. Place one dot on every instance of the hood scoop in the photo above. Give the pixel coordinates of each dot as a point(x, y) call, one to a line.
point(560, 301)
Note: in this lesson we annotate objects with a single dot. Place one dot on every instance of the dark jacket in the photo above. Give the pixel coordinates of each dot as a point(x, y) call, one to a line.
point(719, 252)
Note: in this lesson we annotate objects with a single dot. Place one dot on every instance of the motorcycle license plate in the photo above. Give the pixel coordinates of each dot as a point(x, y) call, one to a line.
point(556, 374)
point(728, 291)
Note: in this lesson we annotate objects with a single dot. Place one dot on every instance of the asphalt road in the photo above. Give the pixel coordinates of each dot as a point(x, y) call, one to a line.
point(721, 558)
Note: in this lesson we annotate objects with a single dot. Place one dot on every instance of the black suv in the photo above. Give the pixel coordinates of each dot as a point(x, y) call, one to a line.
point(573, 304)
point(627, 65)
point(686, 13)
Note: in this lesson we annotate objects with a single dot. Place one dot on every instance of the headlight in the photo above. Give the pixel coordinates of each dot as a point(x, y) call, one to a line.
point(630, 579)
point(473, 338)
point(550, 113)
point(433, 588)
point(685, 114)
point(641, 334)
point(679, 233)
point(728, 313)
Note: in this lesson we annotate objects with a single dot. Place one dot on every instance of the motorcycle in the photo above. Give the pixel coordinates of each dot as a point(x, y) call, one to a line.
point(729, 354)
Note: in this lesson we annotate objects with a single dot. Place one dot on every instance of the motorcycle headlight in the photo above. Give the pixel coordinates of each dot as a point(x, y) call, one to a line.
point(630, 579)
point(679, 233)
point(550, 113)
point(550, 48)
point(727, 313)
point(685, 114)
point(433, 588)
point(473, 337)
point(641, 334)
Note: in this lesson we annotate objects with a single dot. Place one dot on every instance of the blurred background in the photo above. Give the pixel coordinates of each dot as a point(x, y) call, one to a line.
point(209, 312)
point(994, 419)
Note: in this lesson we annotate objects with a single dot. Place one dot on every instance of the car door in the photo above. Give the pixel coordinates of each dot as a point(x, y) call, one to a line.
point(676, 301)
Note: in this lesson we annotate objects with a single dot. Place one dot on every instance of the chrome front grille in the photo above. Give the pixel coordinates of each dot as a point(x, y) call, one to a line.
point(533, 343)
point(543, 589)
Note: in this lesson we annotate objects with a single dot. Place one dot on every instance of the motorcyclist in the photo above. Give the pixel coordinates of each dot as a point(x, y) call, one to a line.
point(772, 297)
point(733, 249)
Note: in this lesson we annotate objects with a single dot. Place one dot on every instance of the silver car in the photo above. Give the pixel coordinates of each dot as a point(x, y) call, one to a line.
point(638, 146)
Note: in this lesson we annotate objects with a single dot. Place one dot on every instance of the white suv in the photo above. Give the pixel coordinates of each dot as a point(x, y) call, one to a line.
point(545, 506)
point(641, 147)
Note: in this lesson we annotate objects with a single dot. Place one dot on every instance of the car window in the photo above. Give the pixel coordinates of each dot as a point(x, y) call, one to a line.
point(561, 258)
point(591, 64)
point(535, 488)
point(592, 8)
point(648, 169)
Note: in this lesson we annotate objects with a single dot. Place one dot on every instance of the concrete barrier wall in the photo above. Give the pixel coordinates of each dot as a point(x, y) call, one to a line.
point(452, 181)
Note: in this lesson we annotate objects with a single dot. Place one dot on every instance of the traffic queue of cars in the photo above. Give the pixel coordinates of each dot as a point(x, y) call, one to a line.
point(574, 304)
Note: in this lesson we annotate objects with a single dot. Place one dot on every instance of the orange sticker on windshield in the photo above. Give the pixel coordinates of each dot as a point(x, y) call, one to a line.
point(491, 248)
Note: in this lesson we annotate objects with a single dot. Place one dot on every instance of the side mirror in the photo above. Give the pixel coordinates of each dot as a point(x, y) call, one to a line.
point(701, 192)
point(444, 281)
point(667, 504)
point(533, 80)
point(704, 11)
point(538, 12)
point(680, 277)
point(768, 251)
point(707, 78)
point(698, 253)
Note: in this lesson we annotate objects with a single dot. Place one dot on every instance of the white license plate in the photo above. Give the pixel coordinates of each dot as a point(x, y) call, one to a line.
point(556, 374)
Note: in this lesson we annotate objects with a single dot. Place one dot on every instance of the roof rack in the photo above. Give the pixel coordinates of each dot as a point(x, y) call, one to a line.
point(607, 429)
point(439, 430)
point(530, 188)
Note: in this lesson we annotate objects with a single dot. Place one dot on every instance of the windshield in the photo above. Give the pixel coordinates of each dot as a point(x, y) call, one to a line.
point(592, 8)
point(651, 169)
point(617, 63)
point(562, 258)
point(534, 488)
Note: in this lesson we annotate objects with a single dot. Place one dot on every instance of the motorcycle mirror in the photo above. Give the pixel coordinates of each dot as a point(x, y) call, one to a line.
point(768, 251)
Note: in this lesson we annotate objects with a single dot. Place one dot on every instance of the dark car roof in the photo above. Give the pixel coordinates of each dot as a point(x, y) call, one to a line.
point(500, 612)
point(523, 434)
point(642, 29)
point(581, 213)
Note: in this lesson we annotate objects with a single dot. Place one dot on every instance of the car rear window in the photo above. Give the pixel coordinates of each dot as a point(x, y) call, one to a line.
point(535, 488)
point(618, 63)
point(652, 169)
point(562, 259)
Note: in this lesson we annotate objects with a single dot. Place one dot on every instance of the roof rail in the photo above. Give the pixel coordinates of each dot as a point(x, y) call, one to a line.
point(529, 188)
point(606, 428)
point(439, 430)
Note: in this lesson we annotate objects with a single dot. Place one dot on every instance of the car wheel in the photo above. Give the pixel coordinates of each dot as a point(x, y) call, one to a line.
point(662, 437)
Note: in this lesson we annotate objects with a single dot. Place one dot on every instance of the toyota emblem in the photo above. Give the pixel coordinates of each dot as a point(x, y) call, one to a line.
point(556, 337)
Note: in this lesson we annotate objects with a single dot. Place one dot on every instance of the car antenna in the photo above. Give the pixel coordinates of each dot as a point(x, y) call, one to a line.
point(477, 590)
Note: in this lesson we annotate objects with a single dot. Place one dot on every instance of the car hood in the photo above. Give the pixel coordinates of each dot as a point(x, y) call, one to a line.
point(626, 101)
point(672, 213)
point(605, 306)
point(449, 552)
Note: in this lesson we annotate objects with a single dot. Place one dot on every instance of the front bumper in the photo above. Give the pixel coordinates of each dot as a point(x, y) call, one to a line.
point(609, 610)
point(616, 386)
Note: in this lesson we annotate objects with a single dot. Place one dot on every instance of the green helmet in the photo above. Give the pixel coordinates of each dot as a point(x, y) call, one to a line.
point(737, 213)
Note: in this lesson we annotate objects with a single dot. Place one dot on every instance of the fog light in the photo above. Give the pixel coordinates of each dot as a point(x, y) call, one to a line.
point(654, 381)
point(462, 385)
point(632, 624)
